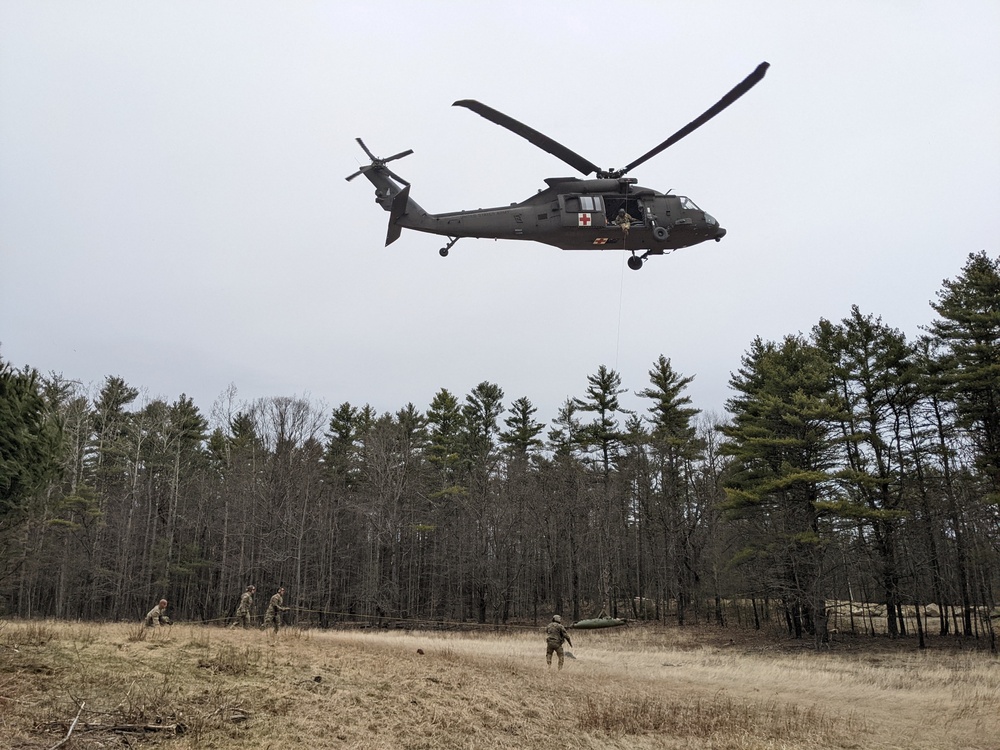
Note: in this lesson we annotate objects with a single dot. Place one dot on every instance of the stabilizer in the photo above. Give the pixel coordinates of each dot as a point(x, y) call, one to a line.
point(396, 211)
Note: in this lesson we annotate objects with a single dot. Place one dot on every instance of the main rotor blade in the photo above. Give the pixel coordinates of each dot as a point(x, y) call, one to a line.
point(530, 134)
point(739, 90)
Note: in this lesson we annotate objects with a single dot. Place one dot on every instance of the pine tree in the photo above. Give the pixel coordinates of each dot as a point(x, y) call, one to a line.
point(521, 435)
point(873, 375)
point(603, 433)
point(444, 419)
point(969, 327)
point(782, 479)
point(674, 445)
point(30, 440)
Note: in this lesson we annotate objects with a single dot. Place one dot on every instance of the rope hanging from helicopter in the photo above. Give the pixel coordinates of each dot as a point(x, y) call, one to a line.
point(621, 299)
point(621, 289)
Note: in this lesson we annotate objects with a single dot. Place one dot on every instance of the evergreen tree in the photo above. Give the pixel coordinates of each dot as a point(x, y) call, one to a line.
point(673, 506)
point(481, 411)
point(111, 431)
point(782, 479)
point(445, 424)
point(603, 433)
point(969, 326)
point(566, 431)
point(341, 454)
point(873, 375)
point(670, 414)
point(30, 440)
point(521, 435)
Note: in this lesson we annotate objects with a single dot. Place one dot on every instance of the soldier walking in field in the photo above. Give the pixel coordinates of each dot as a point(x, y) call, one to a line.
point(272, 617)
point(555, 634)
point(157, 615)
point(243, 609)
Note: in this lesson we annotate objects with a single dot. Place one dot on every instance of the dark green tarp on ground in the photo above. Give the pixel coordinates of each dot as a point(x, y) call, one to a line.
point(603, 622)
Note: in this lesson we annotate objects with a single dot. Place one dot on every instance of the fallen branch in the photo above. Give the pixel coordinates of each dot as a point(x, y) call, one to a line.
point(72, 726)
point(136, 728)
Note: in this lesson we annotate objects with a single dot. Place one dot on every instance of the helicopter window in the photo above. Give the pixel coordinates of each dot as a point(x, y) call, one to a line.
point(584, 203)
point(688, 204)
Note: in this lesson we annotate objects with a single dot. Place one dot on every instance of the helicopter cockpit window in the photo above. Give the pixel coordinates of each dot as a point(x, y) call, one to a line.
point(687, 204)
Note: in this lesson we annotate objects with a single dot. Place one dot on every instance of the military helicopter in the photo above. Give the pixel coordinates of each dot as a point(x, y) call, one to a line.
point(609, 211)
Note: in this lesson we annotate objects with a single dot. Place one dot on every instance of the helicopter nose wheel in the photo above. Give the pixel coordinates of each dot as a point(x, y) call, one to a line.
point(635, 262)
point(443, 252)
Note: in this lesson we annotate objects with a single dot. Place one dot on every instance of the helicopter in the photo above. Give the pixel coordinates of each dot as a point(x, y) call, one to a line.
point(606, 212)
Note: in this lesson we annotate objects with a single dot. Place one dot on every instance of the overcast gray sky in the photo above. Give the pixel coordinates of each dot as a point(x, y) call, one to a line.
point(173, 208)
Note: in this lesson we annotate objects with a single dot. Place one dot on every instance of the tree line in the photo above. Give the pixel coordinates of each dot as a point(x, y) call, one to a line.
point(854, 467)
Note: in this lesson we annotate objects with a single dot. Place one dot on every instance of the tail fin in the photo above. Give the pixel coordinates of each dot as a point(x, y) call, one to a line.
point(396, 212)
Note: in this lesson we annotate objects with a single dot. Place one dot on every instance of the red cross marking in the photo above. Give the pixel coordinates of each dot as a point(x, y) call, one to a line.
point(585, 220)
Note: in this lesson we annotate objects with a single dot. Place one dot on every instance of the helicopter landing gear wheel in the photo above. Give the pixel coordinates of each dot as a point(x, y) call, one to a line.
point(635, 263)
point(661, 234)
point(443, 252)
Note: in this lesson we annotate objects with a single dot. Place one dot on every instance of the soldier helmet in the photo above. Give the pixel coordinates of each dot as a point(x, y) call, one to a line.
point(621, 210)
point(163, 603)
point(556, 618)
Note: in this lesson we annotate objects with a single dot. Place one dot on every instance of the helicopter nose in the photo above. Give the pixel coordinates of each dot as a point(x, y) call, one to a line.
point(719, 234)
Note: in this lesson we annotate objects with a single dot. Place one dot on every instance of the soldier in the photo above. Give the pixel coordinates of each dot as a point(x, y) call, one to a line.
point(624, 221)
point(157, 615)
point(274, 609)
point(555, 634)
point(243, 610)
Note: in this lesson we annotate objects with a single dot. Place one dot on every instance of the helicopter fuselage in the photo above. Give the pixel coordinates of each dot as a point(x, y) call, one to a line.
point(570, 214)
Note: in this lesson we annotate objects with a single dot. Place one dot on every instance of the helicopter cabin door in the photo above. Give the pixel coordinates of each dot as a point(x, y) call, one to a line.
point(582, 210)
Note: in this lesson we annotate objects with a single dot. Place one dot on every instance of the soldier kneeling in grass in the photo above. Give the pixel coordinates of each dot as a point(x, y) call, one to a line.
point(158, 615)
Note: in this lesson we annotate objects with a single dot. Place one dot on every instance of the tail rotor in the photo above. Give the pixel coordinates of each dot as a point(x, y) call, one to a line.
point(379, 164)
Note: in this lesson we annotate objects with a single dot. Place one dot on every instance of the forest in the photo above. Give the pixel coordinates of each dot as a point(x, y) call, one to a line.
point(854, 484)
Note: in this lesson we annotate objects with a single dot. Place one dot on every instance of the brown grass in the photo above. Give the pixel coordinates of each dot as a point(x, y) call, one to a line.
point(191, 687)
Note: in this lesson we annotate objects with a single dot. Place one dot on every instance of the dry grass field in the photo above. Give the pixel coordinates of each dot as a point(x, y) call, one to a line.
point(185, 687)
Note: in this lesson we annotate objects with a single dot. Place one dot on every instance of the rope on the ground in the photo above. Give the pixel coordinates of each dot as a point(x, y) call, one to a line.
point(417, 621)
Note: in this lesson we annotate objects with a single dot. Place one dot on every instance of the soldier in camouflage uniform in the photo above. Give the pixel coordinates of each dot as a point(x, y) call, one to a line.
point(157, 615)
point(243, 610)
point(555, 634)
point(272, 617)
point(623, 220)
